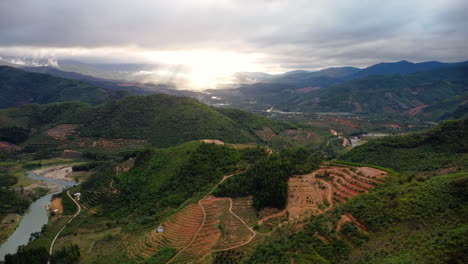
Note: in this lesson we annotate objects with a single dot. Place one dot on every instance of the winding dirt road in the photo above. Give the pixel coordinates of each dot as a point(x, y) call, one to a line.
point(225, 177)
point(69, 221)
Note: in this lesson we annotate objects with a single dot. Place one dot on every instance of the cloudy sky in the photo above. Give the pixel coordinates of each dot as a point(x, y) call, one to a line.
point(237, 35)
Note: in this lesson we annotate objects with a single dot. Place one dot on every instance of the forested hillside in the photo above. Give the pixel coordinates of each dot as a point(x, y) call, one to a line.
point(160, 120)
point(443, 147)
point(19, 87)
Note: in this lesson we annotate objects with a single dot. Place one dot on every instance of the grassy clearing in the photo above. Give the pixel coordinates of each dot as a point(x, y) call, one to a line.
point(8, 224)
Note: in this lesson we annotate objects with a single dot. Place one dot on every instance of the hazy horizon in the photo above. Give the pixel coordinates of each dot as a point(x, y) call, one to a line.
point(210, 40)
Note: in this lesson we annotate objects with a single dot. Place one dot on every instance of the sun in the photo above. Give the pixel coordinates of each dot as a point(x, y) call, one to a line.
point(206, 69)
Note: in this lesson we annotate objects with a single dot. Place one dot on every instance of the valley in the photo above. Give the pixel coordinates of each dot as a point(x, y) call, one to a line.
point(283, 178)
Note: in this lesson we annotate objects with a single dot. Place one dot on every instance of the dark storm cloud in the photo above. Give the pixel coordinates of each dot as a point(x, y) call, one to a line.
point(293, 34)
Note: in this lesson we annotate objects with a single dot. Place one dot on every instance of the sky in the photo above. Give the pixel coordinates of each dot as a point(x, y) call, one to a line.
point(213, 38)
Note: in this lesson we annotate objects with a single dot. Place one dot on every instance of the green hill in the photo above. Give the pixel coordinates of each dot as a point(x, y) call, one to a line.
point(19, 87)
point(444, 146)
point(161, 120)
point(162, 180)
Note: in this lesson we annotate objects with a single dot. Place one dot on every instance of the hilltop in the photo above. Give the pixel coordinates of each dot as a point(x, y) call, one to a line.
point(19, 87)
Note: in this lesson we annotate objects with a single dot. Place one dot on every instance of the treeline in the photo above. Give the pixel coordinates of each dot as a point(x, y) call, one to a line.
point(14, 134)
point(267, 179)
point(10, 200)
point(66, 255)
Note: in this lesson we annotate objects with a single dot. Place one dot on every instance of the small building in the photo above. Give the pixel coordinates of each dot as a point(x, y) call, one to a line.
point(77, 194)
point(159, 229)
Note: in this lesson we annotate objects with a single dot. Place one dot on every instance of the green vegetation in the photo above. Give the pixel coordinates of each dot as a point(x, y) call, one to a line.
point(253, 122)
point(423, 152)
point(14, 135)
point(419, 222)
point(162, 120)
point(69, 207)
point(10, 201)
point(20, 87)
point(66, 255)
point(267, 179)
point(30, 256)
point(162, 256)
point(161, 180)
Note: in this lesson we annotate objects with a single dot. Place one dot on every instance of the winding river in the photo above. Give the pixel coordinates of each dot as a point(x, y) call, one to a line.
point(34, 218)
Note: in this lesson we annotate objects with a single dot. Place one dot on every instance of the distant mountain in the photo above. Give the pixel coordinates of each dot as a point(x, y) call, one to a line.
point(251, 77)
point(136, 88)
point(19, 87)
point(398, 94)
point(400, 67)
point(335, 72)
point(430, 95)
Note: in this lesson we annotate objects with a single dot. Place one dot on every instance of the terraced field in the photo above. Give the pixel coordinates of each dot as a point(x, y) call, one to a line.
point(179, 230)
point(225, 225)
point(317, 192)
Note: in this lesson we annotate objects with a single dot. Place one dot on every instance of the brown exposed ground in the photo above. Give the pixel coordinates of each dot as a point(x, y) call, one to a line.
point(349, 218)
point(265, 134)
point(61, 132)
point(317, 192)
point(226, 225)
point(215, 141)
point(7, 146)
point(8, 224)
point(414, 111)
point(56, 203)
point(55, 172)
point(307, 89)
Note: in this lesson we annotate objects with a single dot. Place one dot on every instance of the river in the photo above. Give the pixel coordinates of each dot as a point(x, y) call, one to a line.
point(34, 218)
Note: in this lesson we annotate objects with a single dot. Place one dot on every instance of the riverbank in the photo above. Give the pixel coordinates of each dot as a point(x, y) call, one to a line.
point(37, 215)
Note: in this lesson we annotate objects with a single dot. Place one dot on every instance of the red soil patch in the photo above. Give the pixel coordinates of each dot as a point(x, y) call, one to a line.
point(265, 134)
point(307, 194)
point(344, 122)
point(416, 90)
point(179, 230)
point(316, 193)
point(125, 166)
point(307, 89)
point(7, 146)
point(210, 141)
point(324, 239)
point(56, 204)
point(416, 110)
point(357, 107)
point(243, 207)
point(349, 218)
point(394, 126)
point(234, 230)
point(300, 136)
point(61, 132)
point(209, 232)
